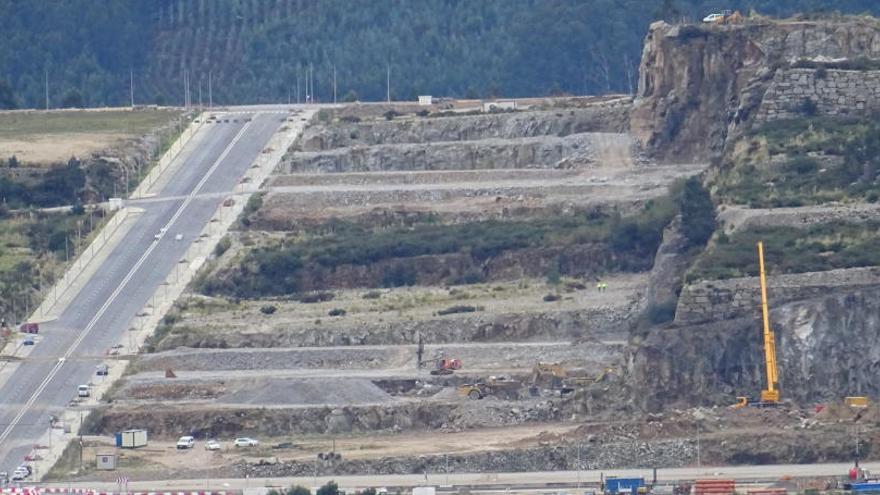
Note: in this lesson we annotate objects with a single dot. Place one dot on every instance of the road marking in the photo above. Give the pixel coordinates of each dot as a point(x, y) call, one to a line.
point(55, 369)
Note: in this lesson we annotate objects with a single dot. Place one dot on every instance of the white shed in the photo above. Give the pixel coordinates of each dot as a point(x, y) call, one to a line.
point(105, 462)
point(426, 100)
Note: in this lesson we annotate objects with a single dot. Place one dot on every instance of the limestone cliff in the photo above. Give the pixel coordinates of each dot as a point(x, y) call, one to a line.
point(699, 84)
point(826, 348)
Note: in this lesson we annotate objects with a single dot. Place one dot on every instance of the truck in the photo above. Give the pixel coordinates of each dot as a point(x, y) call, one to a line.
point(131, 439)
point(632, 486)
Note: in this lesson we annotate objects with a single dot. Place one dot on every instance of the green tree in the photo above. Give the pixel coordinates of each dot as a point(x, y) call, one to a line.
point(72, 99)
point(697, 212)
point(298, 490)
point(331, 488)
point(7, 96)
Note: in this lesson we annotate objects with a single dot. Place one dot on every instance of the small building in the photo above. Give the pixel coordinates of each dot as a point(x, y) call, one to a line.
point(131, 439)
point(426, 100)
point(114, 204)
point(105, 462)
point(499, 105)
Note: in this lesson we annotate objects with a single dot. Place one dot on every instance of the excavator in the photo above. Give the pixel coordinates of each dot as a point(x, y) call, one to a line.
point(442, 366)
point(554, 376)
point(770, 395)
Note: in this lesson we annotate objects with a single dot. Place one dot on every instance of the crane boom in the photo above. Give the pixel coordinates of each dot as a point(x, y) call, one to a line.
point(771, 393)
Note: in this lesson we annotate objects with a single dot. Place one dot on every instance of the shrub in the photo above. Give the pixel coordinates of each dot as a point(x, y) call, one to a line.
point(373, 294)
point(807, 108)
point(398, 276)
point(472, 276)
point(315, 297)
point(222, 246)
point(661, 313)
point(552, 297)
point(331, 488)
point(697, 213)
point(390, 114)
point(336, 312)
point(268, 309)
point(456, 309)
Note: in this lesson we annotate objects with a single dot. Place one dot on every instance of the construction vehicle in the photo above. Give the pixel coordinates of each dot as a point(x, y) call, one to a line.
point(726, 17)
point(770, 395)
point(554, 376)
point(500, 386)
point(442, 366)
point(859, 402)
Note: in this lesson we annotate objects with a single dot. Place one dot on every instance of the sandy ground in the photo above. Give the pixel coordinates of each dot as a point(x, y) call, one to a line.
point(59, 148)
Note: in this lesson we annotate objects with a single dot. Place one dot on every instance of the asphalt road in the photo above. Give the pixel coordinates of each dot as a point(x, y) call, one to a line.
point(517, 482)
point(100, 314)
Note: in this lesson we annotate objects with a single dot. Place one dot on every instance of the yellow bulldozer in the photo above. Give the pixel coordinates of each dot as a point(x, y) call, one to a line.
point(499, 386)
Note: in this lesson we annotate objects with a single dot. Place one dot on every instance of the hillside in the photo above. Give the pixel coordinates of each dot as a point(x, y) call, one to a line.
point(260, 50)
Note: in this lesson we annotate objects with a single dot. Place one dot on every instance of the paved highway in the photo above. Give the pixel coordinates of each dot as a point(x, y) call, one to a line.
point(99, 315)
point(517, 482)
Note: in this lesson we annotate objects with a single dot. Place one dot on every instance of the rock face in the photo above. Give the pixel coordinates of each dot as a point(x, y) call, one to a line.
point(826, 348)
point(698, 84)
point(477, 127)
point(739, 297)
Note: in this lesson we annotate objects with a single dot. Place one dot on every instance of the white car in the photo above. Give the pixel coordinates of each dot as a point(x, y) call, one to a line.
point(713, 18)
point(186, 442)
point(82, 391)
point(245, 442)
point(21, 473)
point(212, 445)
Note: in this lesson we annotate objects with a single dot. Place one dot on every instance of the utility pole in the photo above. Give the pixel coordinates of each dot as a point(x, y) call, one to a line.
point(200, 93)
point(47, 89)
point(210, 94)
point(131, 85)
point(334, 84)
point(297, 85)
point(388, 83)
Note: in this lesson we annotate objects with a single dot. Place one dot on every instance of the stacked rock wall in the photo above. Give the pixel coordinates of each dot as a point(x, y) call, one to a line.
point(830, 92)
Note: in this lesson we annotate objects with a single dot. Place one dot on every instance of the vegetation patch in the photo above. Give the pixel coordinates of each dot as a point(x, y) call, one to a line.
point(274, 268)
point(791, 250)
point(815, 161)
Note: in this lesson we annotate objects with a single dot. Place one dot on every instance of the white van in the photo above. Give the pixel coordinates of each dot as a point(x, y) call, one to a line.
point(82, 391)
point(186, 442)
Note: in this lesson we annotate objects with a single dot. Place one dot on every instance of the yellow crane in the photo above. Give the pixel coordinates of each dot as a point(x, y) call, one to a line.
point(770, 394)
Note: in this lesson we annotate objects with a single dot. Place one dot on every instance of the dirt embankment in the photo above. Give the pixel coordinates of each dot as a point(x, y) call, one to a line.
point(576, 150)
point(591, 323)
point(169, 422)
point(562, 122)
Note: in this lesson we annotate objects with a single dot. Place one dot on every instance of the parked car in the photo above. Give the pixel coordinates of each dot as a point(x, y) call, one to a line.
point(245, 442)
point(713, 18)
point(102, 370)
point(82, 391)
point(21, 473)
point(28, 340)
point(186, 442)
point(212, 445)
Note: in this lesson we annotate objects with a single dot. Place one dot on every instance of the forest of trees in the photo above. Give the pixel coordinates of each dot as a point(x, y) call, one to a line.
point(262, 50)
